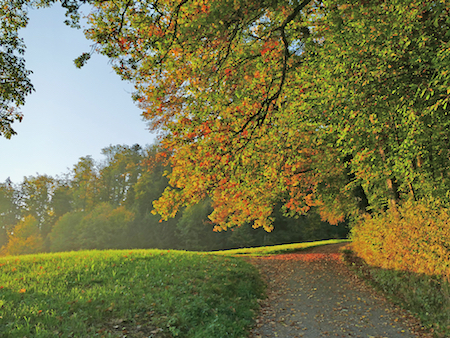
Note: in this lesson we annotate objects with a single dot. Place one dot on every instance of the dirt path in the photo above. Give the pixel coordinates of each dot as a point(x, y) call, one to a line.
point(312, 294)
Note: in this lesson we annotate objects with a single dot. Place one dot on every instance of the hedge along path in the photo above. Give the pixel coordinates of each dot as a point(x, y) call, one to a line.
point(313, 294)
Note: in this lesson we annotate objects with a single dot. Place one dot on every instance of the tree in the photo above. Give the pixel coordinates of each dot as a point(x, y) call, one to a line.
point(46, 199)
point(105, 227)
point(62, 199)
point(10, 212)
point(15, 84)
point(194, 229)
point(338, 105)
point(147, 230)
point(36, 195)
point(14, 78)
point(379, 89)
point(222, 80)
point(25, 238)
point(328, 104)
point(85, 184)
point(120, 173)
point(64, 234)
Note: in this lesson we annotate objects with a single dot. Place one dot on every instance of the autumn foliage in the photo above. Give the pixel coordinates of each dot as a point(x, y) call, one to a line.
point(318, 104)
point(25, 238)
point(413, 238)
point(337, 105)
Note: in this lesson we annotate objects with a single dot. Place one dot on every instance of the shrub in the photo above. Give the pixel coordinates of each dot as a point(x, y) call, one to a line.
point(414, 238)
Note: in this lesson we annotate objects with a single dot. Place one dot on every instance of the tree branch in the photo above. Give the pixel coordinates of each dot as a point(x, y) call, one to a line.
point(261, 115)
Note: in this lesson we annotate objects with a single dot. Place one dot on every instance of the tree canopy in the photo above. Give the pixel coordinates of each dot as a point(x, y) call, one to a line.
point(339, 105)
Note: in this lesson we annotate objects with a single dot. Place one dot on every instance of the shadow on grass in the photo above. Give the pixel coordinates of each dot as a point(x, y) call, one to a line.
point(121, 293)
point(69, 315)
point(426, 297)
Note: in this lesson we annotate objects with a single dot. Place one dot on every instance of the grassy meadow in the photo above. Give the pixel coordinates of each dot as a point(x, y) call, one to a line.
point(134, 293)
point(277, 249)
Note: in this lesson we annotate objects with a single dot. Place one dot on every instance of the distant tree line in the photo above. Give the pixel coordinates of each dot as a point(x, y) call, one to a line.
point(108, 205)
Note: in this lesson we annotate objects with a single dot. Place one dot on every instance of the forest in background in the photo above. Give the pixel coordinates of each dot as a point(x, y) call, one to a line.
point(108, 205)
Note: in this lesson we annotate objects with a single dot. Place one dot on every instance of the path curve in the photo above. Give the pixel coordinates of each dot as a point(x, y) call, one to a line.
point(312, 294)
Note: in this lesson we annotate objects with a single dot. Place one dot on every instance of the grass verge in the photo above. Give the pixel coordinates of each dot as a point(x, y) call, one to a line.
point(427, 297)
point(277, 249)
point(132, 293)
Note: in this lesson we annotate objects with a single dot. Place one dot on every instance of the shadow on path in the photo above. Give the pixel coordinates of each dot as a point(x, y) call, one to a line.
point(312, 294)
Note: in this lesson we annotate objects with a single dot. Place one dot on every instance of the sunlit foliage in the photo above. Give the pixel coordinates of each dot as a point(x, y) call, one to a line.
point(415, 238)
point(24, 238)
point(340, 105)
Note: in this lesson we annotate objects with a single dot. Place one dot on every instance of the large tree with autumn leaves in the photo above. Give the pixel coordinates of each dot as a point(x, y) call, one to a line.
point(336, 104)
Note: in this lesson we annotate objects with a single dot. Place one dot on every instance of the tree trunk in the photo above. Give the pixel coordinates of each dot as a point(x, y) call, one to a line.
point(394, 195)
point(358, 192)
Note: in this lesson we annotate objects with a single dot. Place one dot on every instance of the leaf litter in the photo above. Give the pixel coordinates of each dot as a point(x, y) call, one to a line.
point(313, 294)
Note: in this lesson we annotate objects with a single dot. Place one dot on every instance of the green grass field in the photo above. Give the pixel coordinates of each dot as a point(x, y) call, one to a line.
point(277, 249)
point(118, 293)
point(132, 293)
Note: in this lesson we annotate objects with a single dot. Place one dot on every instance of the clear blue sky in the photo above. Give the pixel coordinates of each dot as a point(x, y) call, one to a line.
point(73, 112)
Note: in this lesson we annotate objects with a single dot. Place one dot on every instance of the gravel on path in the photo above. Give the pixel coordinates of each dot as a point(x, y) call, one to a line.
point(312, 294)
